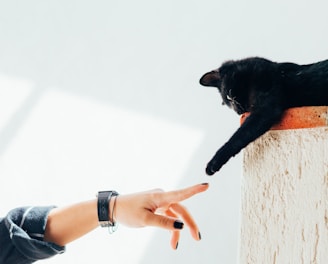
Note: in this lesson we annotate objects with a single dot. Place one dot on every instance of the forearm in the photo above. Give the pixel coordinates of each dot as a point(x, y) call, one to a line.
point(69, 223)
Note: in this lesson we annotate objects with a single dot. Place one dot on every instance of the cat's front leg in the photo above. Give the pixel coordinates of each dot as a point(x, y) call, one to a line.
point(254, 126)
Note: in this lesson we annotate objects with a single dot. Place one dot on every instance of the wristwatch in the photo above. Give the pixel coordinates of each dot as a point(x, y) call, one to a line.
point(105, 216)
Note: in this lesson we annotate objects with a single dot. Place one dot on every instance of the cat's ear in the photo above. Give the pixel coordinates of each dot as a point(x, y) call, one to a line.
point(210, 79)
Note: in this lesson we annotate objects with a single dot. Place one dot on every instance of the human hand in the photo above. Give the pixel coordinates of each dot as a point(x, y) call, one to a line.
point(160, 209)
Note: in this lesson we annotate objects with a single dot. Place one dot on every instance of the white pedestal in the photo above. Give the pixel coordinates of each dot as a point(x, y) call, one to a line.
point(284, 216)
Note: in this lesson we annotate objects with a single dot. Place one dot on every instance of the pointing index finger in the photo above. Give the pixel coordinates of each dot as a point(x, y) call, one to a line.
point(183, 194)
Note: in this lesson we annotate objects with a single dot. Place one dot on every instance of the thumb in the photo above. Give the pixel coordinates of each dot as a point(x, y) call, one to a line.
point(165, 222)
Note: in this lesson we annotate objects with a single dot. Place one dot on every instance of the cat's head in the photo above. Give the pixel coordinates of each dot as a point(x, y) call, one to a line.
point(231, 82)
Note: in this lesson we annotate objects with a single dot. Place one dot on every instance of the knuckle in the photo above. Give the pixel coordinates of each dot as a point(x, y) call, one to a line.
point(164, 221)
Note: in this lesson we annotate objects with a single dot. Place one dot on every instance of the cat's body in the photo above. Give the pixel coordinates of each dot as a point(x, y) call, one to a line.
point(265, 89)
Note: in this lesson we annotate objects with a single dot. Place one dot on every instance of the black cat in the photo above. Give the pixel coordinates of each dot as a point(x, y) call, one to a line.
point(265, 89)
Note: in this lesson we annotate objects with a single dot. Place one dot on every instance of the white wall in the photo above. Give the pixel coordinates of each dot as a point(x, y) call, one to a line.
point(105, 95)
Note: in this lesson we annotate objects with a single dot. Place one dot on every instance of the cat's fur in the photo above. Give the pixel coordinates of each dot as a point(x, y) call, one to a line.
point(265, 89)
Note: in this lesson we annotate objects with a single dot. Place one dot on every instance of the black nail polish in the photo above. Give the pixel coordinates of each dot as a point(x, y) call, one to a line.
point(199, 236)
point(178, 225)
point(176, 247)
point(204, 183)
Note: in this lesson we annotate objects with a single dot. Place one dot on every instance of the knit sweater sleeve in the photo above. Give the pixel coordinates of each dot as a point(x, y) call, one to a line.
point(21, 236)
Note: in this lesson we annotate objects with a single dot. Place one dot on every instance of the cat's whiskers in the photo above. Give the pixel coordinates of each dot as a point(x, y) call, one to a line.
point(236, 105)
point(229, 96)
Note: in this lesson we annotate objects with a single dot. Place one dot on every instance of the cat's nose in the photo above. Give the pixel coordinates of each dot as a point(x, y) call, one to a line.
point(240, 111)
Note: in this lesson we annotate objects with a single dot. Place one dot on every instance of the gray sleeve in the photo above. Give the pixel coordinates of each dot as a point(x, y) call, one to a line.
point(21, 236)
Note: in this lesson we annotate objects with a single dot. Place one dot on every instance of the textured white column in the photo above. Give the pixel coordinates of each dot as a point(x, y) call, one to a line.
point(284, 216)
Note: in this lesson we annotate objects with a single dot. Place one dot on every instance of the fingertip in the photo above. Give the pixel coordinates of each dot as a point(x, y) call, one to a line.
point(175, 240)
point(175, 246)
point(178, 224)
point(204, 186)
point(196, 235)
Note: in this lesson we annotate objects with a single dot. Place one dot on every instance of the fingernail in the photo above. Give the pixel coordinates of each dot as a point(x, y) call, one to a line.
point(176, 247)
point(204, 183)
point(178, 224)
point(199, 236)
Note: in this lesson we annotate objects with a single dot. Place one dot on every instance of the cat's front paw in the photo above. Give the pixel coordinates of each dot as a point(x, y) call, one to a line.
point(220, 158)
point(212, 167)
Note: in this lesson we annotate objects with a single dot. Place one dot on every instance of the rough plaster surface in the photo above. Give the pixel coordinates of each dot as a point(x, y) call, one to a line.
point(284, 216)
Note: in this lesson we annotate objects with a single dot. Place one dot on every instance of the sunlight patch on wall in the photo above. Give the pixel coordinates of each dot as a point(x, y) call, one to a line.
point(66, 135)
